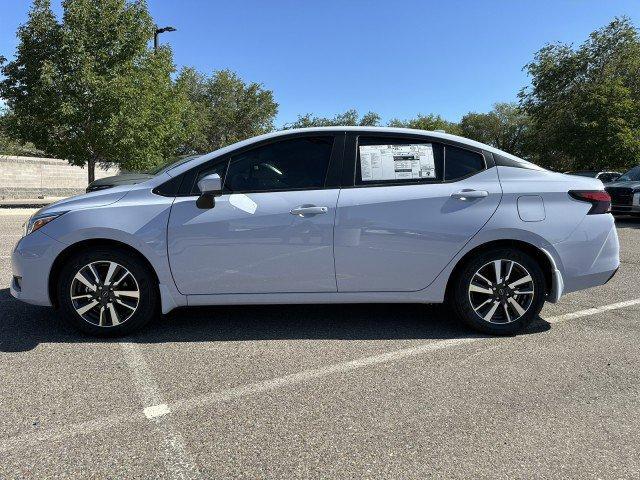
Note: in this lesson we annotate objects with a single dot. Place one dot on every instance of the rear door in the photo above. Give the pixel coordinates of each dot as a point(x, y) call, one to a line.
point(412, 204)
point(272, 229)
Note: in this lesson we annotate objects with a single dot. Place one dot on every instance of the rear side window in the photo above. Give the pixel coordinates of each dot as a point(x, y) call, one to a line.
point(386, 160)
point(295, 164)
point(459, 163)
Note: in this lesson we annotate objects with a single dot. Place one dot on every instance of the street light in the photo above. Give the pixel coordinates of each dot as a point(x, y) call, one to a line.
point(157, 32)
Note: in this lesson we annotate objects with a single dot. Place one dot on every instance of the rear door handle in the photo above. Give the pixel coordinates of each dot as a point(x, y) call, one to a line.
point(308, 210)
point(470, 194)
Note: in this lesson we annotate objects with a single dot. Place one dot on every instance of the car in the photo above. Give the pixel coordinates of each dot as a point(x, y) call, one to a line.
point(131, 178)
point(603, 176)
point(324, 215)
point(625, 193)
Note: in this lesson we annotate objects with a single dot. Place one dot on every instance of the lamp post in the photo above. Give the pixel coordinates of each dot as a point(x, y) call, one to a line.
point(157, 33)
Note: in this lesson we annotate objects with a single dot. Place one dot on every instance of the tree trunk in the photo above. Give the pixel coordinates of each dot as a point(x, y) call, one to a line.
point(91, 169)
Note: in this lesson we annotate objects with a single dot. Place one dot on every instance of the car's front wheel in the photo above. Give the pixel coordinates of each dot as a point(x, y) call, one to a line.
point(499, 292)
point(107, 292)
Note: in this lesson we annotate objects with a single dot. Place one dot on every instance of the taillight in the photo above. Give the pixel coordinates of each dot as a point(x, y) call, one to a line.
point(600, 201)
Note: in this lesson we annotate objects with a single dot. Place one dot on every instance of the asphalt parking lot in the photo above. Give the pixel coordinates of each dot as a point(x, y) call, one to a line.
point(356, 391)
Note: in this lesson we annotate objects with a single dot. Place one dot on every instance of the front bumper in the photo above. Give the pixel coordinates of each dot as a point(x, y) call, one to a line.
point(31, 262)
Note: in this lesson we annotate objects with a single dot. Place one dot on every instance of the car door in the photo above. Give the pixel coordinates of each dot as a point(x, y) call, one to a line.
point(414, 203)
point(271, 231)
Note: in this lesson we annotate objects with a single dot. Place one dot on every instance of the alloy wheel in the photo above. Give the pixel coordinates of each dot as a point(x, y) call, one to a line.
point(104, 293)
point(501, 291)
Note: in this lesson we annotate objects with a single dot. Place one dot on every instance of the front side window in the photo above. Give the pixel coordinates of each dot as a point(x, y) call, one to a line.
point(295, 164)
point(459, 163)
point(387, 160)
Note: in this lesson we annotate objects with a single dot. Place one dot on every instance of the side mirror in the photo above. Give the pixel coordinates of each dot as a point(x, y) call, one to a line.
point(210, 186)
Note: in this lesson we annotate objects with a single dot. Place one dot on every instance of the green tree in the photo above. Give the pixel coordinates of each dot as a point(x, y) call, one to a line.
point(427, 122)
point(88, 88)
point(505, 127)
point(223, 110)
point(348, 118)
point(10, 146)
point(584, 102)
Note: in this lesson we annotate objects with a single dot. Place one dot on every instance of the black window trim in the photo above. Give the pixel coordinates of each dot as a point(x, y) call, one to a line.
point(331, 180)
point(351, 159)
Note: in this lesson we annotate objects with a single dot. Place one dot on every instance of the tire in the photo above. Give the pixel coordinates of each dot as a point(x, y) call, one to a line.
point(123, 304)
point(498, 308)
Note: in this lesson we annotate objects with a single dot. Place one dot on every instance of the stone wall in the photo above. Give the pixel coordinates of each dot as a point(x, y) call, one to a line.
point(31, 177)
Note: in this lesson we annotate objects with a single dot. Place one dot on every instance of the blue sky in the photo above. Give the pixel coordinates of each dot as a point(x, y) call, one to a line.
point(398, 58)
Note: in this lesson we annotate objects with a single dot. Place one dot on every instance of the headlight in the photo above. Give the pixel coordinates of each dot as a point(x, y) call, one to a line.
point(36, 223)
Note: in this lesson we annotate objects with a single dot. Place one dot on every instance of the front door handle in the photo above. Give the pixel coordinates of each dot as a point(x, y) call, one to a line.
point(469, 194)
point(308, 210)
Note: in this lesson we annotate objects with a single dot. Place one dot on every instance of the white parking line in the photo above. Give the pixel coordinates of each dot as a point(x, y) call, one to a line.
point(177, 459)
point(157, 411)
point(592, 311)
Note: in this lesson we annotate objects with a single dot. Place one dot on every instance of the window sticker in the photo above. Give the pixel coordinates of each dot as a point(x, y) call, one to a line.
point(397, 162)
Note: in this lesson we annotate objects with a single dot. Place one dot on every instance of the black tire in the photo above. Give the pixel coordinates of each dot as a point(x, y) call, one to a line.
point(461, 297)
point(143, 279)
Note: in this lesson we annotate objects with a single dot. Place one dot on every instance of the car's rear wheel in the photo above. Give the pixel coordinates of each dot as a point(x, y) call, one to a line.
point(499, 292)
point(107, 292)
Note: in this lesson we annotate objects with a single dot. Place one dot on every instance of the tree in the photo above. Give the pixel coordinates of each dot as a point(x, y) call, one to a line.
point(505, 127)
point(88, 88)
point(224, 109)
point(584, 103)
point(348, 118)
point(427, 122)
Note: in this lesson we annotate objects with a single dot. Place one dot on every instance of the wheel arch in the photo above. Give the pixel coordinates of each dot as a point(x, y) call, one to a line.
point(92, 243)
point(543, 258)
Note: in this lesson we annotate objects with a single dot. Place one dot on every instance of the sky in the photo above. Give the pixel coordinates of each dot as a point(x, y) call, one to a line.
point(399, 58)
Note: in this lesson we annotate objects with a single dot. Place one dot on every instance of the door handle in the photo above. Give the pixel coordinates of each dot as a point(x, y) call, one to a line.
point(308, 210)
point(469, 194)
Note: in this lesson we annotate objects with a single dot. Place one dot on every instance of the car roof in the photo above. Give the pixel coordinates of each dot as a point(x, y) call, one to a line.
point(337, 129)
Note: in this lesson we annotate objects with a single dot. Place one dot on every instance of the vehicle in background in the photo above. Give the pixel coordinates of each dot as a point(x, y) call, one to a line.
point(324, 215)
point(625, 193)
point(133, 178)
point(604, 177)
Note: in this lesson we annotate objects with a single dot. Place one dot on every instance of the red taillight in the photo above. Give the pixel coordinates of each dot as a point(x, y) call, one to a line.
point(600, 201)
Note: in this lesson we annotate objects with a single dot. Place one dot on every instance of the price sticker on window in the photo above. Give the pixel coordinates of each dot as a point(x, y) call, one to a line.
point(397, 162)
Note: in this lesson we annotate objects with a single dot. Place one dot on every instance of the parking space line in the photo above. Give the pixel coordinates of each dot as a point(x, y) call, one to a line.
point(295, 378)
point(306, 375)
point(158, 411)
point(177, 459)
point(592, 311)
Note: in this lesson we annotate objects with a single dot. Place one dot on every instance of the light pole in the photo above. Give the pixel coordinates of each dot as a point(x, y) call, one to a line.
point(157, 33)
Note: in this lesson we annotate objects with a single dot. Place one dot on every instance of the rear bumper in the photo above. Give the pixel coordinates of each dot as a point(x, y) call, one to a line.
point(591, 255)
point(625, 209)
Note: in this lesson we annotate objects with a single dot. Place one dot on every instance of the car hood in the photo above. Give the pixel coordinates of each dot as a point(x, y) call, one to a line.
point(625, 184)
point(122, 179)
point(99, 198)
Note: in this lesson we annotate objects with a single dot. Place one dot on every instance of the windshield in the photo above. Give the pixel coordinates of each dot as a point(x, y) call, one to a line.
point(170, 165)
point(583, 174)
point(632, 175)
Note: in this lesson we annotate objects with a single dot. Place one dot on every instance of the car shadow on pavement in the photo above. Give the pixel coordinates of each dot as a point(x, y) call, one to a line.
point(628, 222)
point(23, 327)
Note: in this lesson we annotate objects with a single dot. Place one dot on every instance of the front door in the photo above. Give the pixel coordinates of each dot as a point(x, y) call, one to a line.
point(414, 205)
point(270, 232)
